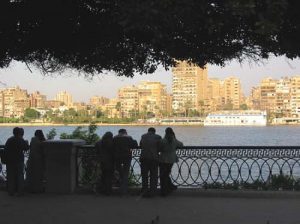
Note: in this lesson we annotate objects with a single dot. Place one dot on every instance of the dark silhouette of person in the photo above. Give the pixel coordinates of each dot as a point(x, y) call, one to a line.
point(105, 152)
point(14, 148)
point(36, 163)
point(149, 161)
point(167, 158)
point(123, 145)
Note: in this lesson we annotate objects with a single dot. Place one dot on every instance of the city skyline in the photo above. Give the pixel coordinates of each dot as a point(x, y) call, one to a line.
point(279, 97)
point(107, 85)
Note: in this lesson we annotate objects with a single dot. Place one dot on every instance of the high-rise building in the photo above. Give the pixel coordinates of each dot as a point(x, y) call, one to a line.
point(268, 94)
point(254, 98)
point(65, 97)
point(214, 100)
point(295, 96)
point(232, 93)
point(189, 86)
point(13, 102)
point(37, 100)
point(283, 97)
point(152, 97)
point(129, 101)
point(144, 98)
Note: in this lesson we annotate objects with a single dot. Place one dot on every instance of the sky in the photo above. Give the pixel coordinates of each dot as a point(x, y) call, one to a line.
point(250, 74)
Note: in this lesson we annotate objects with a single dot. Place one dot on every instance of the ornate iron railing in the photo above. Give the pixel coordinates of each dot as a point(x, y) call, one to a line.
point(199, 166)
point(2, 166)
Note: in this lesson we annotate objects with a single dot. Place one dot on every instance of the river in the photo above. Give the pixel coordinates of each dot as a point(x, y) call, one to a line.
point(193, 135)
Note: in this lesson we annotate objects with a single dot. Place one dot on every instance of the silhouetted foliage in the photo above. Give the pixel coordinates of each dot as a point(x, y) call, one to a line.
point(128, 36)
point(51, 134)
point(88, 135)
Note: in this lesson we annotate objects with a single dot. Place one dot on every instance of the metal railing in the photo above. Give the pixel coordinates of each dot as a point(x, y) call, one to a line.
point(199, 166)
point(2, 166)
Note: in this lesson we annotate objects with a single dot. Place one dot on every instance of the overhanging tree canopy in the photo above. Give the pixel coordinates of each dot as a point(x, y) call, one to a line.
point(128, 36)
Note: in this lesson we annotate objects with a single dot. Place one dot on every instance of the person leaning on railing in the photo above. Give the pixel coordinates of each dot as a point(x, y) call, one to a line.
point(123, 145)
point(104, 149)
point(167, 158)
point(149, 162)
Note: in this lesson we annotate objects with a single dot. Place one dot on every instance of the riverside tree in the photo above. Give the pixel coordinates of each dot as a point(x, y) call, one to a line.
point(129, 36)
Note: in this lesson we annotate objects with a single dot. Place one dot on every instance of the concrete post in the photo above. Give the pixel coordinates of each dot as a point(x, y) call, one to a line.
point(61, 162)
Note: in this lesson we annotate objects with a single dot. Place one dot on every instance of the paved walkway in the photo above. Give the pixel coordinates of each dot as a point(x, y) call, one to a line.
point(177, 208)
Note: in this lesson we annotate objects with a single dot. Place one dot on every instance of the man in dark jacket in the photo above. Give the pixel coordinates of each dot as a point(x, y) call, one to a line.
point(123, 144)
point(149, 161)
point(14, 150)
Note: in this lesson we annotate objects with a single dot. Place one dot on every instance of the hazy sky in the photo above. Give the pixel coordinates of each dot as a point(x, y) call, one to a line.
point(108, 84)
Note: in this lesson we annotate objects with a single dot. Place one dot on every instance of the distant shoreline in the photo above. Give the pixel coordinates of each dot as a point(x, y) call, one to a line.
point(115, 124)
point(87, 124)
point(57, 124)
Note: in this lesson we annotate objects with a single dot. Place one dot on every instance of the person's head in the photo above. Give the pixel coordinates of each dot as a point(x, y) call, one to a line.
point(16, 131)
point(169, 134)
point(151, 130)
point(21, 132)
point(122, 131)
point(107, 136)
point(40, 135)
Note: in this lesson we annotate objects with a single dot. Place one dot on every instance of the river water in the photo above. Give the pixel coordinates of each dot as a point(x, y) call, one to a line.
point(193, 135)
point(208, 136)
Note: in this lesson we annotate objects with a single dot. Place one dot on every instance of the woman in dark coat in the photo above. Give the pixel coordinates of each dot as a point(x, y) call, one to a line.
point(104, 149)
point(36, 163)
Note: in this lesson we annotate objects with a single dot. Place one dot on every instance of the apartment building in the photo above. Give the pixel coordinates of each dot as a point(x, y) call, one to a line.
point(53, 104)
point(13, 102)
point(112, 108)
point(283, 97)
point(129, 101)
point(268, 94)
point(37, 100)
point(295, 96)
point(254, 98)
point(98, 101)
point(152, 97)
point(145, 97)
point(232, 93)
point(214, 100)
point(65, 98)
point(189, 86)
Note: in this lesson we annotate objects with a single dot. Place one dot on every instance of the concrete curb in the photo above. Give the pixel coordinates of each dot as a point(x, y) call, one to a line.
point(217, 193)
point(237, 193)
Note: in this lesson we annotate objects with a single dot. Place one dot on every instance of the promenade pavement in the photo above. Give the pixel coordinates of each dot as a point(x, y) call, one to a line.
point(179, 207)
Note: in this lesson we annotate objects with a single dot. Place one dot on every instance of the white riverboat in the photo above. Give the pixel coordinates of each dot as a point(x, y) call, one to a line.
point(237, 118)
point(182, 121)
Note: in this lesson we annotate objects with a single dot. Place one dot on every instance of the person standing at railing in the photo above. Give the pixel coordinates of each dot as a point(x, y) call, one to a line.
point(104, 149)
point(14, 150)
point(149, 161)
point(36, 163)
point(123, 145)
point(167, 157)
